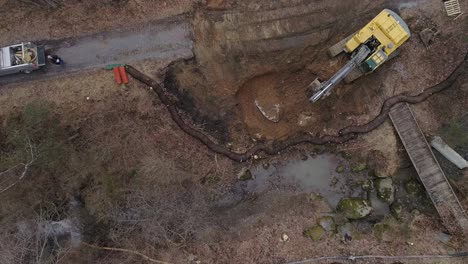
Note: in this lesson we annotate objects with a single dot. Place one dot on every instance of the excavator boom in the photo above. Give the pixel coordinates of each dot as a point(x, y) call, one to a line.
point(325, 88)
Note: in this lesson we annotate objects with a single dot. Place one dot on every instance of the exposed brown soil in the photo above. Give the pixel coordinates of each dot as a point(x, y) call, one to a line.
point(262, 56)
point(345, 134)
point(283, 88)
point(233, 64)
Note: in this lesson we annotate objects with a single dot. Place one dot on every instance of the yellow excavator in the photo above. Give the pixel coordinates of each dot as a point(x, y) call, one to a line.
point(370, 47)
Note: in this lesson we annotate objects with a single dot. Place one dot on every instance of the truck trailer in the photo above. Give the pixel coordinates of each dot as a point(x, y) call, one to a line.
point(21, 58)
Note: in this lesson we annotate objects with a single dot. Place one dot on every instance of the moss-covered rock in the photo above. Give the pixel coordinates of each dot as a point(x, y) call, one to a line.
point(358, 167)
point(347, 232)
point(413, 187)
point(315, 233)
point(327, 223)
point(397, 210)
point(381, 231)
point(245, 175)
point(385, 189)
point(340, 169)
point(354, 208)
point(367, 185)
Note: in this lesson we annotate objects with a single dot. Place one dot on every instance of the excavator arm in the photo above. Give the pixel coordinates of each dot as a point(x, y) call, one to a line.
point(324, 89)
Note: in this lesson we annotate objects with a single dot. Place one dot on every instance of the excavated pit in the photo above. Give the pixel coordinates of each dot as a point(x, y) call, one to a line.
point(243, 60)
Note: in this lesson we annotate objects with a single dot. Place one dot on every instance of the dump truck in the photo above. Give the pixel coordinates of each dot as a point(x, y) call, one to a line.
point(369, 47)
point(24, 57)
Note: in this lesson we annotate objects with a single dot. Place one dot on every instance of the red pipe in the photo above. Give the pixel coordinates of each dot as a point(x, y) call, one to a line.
point(118, 80)
point(123, 74)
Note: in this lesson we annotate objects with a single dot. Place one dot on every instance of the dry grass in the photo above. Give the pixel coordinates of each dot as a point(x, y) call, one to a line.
point(72, 18)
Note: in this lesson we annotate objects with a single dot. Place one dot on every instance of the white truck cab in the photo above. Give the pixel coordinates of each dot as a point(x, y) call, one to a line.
point(23, 57)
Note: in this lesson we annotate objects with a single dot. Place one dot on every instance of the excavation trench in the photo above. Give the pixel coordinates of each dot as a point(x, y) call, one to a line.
point(272, 148)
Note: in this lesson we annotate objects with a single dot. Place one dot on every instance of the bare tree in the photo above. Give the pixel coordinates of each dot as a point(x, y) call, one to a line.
point(164, 202)
point(13, 175)
point(30, 241)
point(169, 216)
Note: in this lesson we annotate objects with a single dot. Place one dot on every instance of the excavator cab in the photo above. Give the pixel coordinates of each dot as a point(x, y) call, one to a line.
point(369, 47)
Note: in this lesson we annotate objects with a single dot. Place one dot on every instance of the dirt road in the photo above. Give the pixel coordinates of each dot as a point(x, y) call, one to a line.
point(162, 40)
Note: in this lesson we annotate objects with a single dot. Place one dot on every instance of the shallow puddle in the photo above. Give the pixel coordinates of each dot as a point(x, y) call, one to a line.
point(316, 175)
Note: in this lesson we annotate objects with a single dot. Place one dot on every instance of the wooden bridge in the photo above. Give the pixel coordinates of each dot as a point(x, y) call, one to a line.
point(430, 173)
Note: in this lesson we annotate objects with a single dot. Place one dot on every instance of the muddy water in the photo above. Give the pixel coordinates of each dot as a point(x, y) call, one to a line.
point(315, 175)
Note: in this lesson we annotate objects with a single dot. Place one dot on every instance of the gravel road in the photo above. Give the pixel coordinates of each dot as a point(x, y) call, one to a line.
point(162, 40)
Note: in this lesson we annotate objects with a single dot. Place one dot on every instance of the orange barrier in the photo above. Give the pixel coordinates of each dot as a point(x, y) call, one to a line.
point(118, 80)
point(123, 74)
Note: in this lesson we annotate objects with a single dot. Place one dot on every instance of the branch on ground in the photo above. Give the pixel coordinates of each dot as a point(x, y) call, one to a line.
point(23, 172)
point(126, 251)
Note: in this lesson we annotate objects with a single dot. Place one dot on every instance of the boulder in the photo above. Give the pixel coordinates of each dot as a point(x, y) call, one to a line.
point(347, 232)
point(315, 233)
point(382, 232)
point(245, 175)
point(413, 187)
point(354, 208)
point(426, 36)
point(385, 189)
point(327, 223)
point(270, 109)
point(367, 185)
point(397, 210)
point(358, 167)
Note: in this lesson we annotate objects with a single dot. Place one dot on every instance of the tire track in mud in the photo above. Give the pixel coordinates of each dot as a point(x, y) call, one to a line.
point(346, 134)
point(285, 21)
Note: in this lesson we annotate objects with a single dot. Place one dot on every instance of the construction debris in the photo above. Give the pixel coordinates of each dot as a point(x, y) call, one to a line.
point(452, 7)
point(120, 74)
point(427, 35)
point(449, 153)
